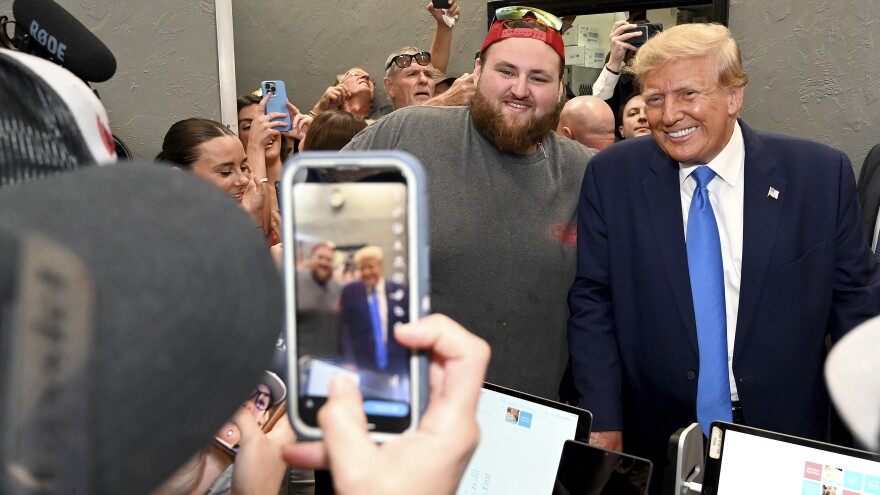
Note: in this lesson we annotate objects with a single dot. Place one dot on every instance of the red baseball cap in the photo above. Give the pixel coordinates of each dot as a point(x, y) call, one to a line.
point(499, 32)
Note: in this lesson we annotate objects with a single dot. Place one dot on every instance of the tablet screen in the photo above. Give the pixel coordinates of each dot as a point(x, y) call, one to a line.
point(521, 439)
point(751, 463)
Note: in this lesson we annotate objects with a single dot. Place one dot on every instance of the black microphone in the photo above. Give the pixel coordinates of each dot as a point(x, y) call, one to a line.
point(66, 41)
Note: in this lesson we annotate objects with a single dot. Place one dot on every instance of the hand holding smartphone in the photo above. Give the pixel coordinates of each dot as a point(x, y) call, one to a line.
point(646, 32)
point(277, 101)
point(343, 324)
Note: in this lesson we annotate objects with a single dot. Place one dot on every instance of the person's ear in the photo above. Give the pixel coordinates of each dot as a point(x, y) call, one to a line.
point(620, 131)
point(389, 86)
point(478, 70)
point(735, 102)
point(567, 132)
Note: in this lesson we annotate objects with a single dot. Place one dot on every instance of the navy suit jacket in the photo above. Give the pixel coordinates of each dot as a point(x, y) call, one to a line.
point(869, 190)
point(356, 337)
point(806, 272)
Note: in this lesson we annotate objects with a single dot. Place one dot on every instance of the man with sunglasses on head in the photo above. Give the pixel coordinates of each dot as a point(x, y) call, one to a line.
point(353, 90)
point(502, 188)
point(409, 77)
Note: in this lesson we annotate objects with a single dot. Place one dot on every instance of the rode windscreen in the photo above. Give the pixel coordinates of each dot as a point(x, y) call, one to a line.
point(64, 39)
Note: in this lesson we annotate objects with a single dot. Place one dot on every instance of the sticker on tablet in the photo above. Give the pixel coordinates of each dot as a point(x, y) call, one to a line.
point(715, 443)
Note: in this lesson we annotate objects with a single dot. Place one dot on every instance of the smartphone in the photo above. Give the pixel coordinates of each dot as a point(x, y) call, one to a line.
point(647, 31)
point(441, 4)
point(369, 208)
point(277, 101)
point(227, 439)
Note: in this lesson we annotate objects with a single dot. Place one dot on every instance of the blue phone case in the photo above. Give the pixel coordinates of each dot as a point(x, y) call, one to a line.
point(277, 101)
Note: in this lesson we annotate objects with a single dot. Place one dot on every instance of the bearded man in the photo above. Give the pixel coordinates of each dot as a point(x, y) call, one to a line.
point(503, 191)
point(317, 303)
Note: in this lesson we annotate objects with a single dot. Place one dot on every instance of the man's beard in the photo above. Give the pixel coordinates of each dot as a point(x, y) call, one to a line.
point(322, 276)
point(514, 138)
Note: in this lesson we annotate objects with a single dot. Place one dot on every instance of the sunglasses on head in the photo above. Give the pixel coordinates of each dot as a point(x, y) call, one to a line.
point(356, 74)
point(405, 60)
point(517, 13)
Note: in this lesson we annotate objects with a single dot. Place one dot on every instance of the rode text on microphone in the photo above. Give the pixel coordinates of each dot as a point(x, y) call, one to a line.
point(45, 29)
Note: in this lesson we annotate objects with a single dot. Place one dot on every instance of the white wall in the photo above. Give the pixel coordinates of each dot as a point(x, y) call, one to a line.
point(814, 69)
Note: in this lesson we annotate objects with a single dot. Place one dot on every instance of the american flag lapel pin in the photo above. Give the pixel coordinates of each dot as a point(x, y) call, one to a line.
point(773, 193)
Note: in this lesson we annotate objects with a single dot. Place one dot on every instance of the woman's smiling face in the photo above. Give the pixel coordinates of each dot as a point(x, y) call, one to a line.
point(222, 162)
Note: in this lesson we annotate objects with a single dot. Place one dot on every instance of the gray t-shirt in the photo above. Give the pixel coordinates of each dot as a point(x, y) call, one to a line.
point(502, 236)
point(317, 310)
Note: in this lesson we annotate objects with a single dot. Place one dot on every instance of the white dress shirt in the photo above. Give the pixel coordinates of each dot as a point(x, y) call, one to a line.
point(876, 233)
point(726, 193)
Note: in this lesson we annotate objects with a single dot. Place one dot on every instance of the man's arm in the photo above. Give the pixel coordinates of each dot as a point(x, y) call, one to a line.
point(605, 84)
point(332, 98)
point(869, 191)
point(442, 44)
point(459, 94)
point(591, 331)
point(856, 295)
point(607, 80)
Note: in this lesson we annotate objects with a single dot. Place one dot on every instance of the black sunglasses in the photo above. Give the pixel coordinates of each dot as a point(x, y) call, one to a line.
point(405, 60)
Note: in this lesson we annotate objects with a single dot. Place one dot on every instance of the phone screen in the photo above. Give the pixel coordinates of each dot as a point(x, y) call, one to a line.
point(352, 287)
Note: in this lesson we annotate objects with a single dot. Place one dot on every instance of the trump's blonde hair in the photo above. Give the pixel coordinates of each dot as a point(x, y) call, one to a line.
point(368, 252)
point(713, 41)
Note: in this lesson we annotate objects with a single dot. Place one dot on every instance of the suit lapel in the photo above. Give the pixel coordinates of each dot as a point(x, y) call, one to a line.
point(662, 191)
point(761, 216)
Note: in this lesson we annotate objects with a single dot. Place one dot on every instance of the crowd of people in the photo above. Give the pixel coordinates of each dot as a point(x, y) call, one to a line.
point(688, 268)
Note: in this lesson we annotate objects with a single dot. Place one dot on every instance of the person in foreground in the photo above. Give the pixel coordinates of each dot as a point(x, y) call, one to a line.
point(713, 261)
point(428, 461)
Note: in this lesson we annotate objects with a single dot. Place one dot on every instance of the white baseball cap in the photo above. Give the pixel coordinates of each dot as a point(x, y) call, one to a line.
point(55, 119)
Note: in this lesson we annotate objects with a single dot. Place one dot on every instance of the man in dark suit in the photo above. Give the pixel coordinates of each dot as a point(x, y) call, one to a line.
point(370, 308)
point(869, 194)
point(707, 292)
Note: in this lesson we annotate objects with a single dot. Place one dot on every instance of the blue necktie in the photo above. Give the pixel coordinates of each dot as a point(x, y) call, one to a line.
point(378, 334)
point(707, 287)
